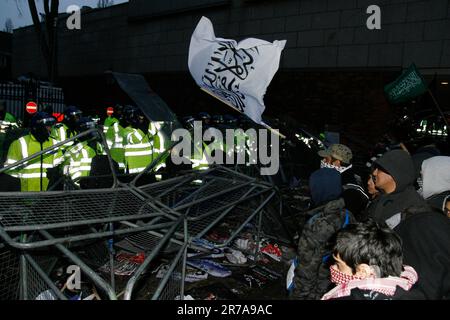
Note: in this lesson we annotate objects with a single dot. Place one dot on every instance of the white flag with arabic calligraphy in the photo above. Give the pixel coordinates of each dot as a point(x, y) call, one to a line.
point(238, 73)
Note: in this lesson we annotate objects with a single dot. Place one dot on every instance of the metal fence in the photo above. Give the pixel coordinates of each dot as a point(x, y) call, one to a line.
point(64, 221)
point(150, 217)
point(16, 97)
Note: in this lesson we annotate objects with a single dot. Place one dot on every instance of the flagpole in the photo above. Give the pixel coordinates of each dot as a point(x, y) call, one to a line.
point(439, 109)
point(231, 106)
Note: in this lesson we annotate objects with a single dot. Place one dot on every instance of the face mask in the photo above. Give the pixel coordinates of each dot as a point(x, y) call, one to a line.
point(41, 133)
point(324, 164)
point(337, 277)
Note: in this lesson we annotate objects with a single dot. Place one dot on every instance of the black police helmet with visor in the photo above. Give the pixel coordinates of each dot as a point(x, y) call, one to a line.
point(217, 119)
point(204, 116)
point(188, 122)
point(84, 124)
point(71, 116)
point(230, 120)
point(41, 125)
point(134, 117)
point(118, 111)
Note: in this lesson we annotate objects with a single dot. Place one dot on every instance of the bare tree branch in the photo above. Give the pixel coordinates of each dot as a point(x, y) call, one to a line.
point(104, 3)
point(47, 37)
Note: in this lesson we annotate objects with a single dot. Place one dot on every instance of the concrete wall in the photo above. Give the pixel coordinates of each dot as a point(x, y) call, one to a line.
point(143, 37)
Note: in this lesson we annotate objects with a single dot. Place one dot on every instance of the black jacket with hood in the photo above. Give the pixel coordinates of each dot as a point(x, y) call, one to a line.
point(400, 166)
point(425, 233)
point(425, 236)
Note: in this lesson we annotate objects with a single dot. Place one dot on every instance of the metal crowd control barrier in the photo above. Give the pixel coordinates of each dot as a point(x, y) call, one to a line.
point(64, 221)
point(17, 95)
point(150, 217)
point(208, 197)
point(34, 267)
point(29, 221)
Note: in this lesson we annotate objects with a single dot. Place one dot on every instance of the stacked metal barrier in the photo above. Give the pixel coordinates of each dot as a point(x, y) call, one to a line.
point(207, 198)
point(61, 222)
point(61, 219)
point(84, 227)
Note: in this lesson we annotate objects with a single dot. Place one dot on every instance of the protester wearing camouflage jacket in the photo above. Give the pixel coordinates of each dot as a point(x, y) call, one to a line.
point(311, 279)
point(312, 274)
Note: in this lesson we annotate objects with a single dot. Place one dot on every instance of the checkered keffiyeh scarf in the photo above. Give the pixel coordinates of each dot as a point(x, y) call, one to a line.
point(386, 286)
point(324, 164)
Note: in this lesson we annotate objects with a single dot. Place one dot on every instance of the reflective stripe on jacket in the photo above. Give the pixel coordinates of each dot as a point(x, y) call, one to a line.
point(8, 121)
point(60, 132)
point(79, 160)
point(158, 141)
point(31, 172)
point(199, 159)
point(109, 121)
point(138, 150)
point(114, 139)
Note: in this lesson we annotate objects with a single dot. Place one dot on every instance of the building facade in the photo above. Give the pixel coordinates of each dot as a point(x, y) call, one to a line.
point(332, 70)
point(5, 55)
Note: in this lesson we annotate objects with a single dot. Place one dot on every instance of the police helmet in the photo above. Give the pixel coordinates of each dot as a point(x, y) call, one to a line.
point(229, 119)
point(85, 123)
point(204, 116)
point(188, 122)
point(217, 119)
point(40, 126)
point(118, 110)
point(72, 111)
point(71, 116)
point(132, 115)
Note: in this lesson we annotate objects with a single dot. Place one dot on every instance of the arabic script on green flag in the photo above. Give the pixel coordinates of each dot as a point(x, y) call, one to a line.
point(406, 87)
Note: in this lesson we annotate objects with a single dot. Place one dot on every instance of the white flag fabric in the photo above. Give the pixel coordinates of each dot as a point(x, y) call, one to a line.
point(238, 73)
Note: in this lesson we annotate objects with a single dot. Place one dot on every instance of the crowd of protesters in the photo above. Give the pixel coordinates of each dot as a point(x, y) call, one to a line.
point(381, 236)
point(388, 239)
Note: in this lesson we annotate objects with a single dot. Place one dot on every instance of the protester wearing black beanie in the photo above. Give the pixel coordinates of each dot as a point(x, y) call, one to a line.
point(399, 165)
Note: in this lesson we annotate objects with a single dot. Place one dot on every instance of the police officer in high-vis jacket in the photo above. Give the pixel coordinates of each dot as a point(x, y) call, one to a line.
point(137, 147)
point(112, 116)
point(67, 129)
point(7, 122)
point(79, 157)
point(33, 174)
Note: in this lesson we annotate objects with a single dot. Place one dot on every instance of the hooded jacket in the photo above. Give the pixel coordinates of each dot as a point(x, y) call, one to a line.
point(436, 181)
point(425, 234)
point(426, 247)
point(400, 166)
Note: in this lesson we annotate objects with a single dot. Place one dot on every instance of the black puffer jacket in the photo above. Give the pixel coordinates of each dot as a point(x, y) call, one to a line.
point(426, 247)
point(399, 165)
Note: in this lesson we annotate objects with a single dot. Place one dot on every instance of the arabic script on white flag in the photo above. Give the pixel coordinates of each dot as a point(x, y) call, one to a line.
point(238, 73)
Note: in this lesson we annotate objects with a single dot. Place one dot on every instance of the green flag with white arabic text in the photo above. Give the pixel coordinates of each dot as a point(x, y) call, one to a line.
point(406, 87)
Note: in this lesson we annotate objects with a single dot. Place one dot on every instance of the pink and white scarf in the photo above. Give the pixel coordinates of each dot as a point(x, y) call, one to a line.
point(386, 286)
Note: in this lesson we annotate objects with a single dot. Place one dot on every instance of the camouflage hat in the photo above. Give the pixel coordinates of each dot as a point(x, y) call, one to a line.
point(337, 151)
